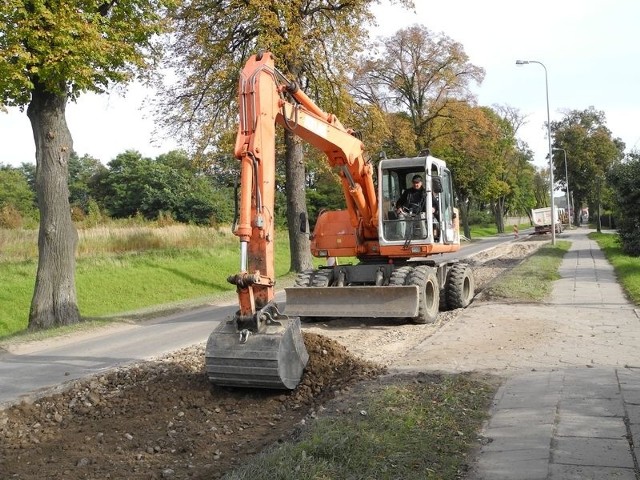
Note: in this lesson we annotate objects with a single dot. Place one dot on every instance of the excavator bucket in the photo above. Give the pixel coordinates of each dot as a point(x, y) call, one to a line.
point(363, 301)
point(273, 359)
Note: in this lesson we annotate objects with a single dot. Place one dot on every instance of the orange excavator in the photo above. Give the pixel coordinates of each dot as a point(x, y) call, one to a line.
point(396, 275)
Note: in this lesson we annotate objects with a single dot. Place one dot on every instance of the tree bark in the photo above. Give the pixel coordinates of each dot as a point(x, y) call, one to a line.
point(54, 300)
point(498, 213)
point(297, 217)
point(463, 208)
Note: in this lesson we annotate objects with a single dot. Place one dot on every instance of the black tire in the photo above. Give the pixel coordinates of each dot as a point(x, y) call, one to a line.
point(399, 276)
point(444, 305)
point(428, 293)
point(303, 279)
point(460, 287)
point(322, 278)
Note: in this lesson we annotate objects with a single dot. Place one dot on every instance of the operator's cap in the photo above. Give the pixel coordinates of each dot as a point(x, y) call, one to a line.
point(416, 178)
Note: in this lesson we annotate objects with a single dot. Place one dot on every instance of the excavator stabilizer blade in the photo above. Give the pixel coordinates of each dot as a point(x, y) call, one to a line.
point(273, 359)
point(365, 301)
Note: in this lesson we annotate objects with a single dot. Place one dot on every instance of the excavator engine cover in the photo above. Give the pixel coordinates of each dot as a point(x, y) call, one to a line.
point(274, 358)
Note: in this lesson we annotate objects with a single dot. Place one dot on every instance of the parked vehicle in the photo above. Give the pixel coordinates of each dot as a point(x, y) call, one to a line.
point(542, 219)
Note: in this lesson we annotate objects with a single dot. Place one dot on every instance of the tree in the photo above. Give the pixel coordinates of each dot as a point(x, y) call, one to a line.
point(82, 171)
point(170, 184)
point(421, 74)
point(53, 51)
point(591, 151)
point(313, 41)
point(471, 150)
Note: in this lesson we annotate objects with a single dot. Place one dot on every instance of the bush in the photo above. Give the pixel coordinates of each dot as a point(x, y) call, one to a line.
point(10, 217)
point(625, 177)
point(479, 217)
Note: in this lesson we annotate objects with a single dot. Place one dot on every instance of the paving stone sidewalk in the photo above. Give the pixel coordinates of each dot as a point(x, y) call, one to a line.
point(580, 422)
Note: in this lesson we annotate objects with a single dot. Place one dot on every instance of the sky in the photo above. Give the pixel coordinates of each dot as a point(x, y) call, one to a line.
point(590, 49)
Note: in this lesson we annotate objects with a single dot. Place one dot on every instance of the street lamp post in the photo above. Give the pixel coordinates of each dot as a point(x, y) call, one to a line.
point(566, 177)
point(553, 210)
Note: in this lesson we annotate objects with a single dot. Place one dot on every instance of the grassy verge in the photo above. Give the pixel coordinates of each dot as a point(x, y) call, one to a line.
point(136, 271)
point(480, 231)
point(627, 268)
point(407, 429)
point(531, 280)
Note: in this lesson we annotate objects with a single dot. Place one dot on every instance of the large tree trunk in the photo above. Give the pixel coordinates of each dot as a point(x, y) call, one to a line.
point(54, 299)
point(297, 217)
point(498, 213)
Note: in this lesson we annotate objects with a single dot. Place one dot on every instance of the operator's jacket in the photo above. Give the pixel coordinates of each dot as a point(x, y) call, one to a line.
point(413, 199)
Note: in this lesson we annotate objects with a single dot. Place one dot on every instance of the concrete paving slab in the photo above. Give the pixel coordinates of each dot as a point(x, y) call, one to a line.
point(542, 401)
point(532, 465)
point(579, 472)
point(509, 439)
point(595, 452)
point(594, 407)
point(522, 416)
point(591, 427)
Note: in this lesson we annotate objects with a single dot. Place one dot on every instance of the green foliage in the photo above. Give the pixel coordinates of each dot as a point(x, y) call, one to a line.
point(15, 196)
point(68, 47)
point(480, 217)
point(82, 173)
point(170, 184)
point(325, 194)
point(591, 151)
point(625, 180)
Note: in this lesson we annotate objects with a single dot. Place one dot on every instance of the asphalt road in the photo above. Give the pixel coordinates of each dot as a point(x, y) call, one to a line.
point(31, 368)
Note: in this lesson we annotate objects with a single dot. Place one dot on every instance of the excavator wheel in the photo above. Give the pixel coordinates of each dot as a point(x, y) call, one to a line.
point(399, 276)
point(313, 278)
point(322, 278)
point(428, 291)
point(303, 279)
point(460, 287)
point(274, 358)
point(444, 304)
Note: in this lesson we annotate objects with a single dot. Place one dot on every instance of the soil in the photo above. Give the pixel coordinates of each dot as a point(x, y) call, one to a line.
point(163, 419)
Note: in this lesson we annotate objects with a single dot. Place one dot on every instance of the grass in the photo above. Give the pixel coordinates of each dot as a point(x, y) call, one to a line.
point(531, 280)
point(130, 270)
point(480, 231)
point(408, 429)
point(627, 268)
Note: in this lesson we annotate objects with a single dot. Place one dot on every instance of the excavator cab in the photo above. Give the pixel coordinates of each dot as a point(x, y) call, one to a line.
point(430, 221)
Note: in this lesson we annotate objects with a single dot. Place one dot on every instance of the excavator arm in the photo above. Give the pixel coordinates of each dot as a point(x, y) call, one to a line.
point(266, 98)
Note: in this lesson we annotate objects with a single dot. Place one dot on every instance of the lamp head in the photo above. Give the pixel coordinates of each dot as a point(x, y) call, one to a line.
point(522, 62)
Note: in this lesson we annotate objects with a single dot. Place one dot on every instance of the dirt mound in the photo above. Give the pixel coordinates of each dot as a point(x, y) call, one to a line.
point(163, 419)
